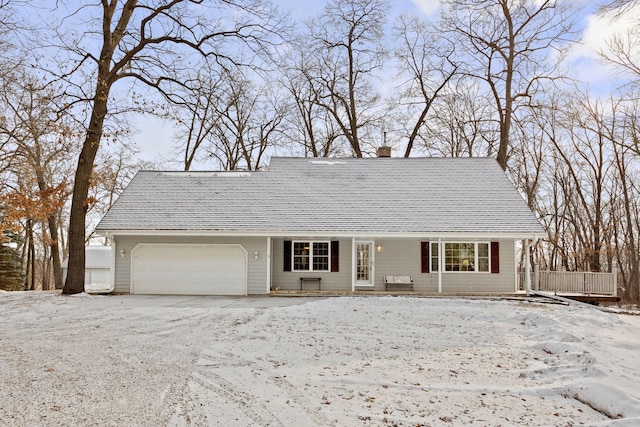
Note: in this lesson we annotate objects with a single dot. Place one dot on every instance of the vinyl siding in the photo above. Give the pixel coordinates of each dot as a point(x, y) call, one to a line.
point(290, 280)
point(503, 282)
point(256, 269)
point(402, 258)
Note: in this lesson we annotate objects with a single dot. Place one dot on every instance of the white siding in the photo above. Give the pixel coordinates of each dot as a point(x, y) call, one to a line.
point(290, 280)
point(397, 257)
point(503, 282)
point(401, 257)
point(256, 269)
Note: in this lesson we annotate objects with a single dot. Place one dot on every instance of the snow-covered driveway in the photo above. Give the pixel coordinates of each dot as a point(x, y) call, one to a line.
point(344, 361)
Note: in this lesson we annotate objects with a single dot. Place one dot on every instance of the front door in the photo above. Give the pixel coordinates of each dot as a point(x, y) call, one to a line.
point(363, 266)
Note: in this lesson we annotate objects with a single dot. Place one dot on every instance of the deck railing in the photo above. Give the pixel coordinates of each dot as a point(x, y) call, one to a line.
point(571, 282)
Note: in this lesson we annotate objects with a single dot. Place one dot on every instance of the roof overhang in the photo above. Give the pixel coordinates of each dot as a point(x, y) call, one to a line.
point(456, 235)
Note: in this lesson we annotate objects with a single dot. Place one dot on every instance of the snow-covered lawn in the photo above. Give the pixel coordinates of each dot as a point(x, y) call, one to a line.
point(343, 361)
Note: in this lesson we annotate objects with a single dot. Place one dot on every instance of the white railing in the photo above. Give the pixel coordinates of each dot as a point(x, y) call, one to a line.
point(571, 282)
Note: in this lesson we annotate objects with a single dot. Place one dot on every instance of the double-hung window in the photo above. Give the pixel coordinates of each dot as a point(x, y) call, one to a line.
point(462, 256)
point(311, 256)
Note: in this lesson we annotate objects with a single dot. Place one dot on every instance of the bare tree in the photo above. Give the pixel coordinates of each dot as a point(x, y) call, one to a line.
point(625, 225)
point(586, 167)
point(425, 61)
point(618, 6)
point(247, 117)
point(44, 142)
point(531, 154)
point(153, 44)
point(10, 60)
point(460, 123)
point(624, 52)
point(349, 50)
point(112, 172)
point(198, 114)
point(307, 123)
point(507, 45)
point(620, 128)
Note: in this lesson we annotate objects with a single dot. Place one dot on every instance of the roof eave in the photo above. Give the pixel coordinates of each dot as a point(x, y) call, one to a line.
point(476, 235)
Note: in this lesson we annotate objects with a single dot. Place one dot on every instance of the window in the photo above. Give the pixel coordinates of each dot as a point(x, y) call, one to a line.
point(311, 256)
point(462, 256)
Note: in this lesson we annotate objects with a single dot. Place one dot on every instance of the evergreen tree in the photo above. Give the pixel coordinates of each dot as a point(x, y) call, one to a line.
point(11, 277)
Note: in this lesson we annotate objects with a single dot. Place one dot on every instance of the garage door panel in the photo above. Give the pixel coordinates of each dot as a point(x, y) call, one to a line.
point(189, 269)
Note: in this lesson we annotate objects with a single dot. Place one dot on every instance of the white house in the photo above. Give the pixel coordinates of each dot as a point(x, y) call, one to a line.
point(336, 224)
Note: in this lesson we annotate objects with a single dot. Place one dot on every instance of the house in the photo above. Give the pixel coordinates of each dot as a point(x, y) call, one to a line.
point(452, 224)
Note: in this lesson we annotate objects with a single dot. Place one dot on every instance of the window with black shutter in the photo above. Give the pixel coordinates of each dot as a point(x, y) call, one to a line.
point(495, 257)
point(425, 259)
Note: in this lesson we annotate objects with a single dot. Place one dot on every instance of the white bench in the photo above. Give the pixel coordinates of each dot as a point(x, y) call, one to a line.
point(397, 280)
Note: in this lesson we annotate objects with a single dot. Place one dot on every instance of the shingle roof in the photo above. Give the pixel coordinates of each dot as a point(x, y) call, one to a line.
point(377, 195)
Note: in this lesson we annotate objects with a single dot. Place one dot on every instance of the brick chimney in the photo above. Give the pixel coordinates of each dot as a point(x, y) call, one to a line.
point(384, 151)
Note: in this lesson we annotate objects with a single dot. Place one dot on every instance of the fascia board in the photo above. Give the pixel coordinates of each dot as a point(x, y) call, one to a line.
point(324, 234)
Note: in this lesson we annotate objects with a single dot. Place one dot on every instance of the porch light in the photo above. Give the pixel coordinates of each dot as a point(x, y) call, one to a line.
point(378, 248)
point(255, 255)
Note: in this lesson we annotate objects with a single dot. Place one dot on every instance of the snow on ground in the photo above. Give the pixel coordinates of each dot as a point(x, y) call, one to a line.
point(343, 361)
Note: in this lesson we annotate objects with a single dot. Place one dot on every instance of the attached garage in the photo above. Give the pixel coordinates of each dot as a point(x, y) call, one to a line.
point(189, 269)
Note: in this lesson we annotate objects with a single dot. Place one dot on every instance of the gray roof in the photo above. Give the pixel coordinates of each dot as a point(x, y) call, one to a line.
point(307, 195)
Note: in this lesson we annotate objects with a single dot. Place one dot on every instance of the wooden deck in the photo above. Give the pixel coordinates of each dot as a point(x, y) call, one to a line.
point(588, 298)
point(594, 299)
point(581, 286)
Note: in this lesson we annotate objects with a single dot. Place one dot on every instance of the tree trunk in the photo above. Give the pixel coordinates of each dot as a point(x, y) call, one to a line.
point(632, 253)
point(53, 234)
point(504, 141)
point(75, 272)
point(82, 181)
point(55, 251)
point(28, 265)
point(416, 129)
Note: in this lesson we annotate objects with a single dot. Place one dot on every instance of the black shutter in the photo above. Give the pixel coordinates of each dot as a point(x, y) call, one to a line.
point(335, 256)
point(287, 255)
point(424, 257)
point(495, 257)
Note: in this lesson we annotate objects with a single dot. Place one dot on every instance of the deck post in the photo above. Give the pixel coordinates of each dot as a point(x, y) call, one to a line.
point(614, 271)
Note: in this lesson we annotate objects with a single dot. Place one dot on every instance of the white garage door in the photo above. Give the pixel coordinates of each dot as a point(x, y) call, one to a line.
point(188, 269)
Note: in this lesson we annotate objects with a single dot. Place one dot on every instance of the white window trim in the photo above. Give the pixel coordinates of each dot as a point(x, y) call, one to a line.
point(311, 256)
point(441, 255)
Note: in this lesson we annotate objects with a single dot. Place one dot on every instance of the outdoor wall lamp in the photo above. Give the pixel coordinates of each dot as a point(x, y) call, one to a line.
point(378, 248)
point(121, 253)
point(255, 255)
